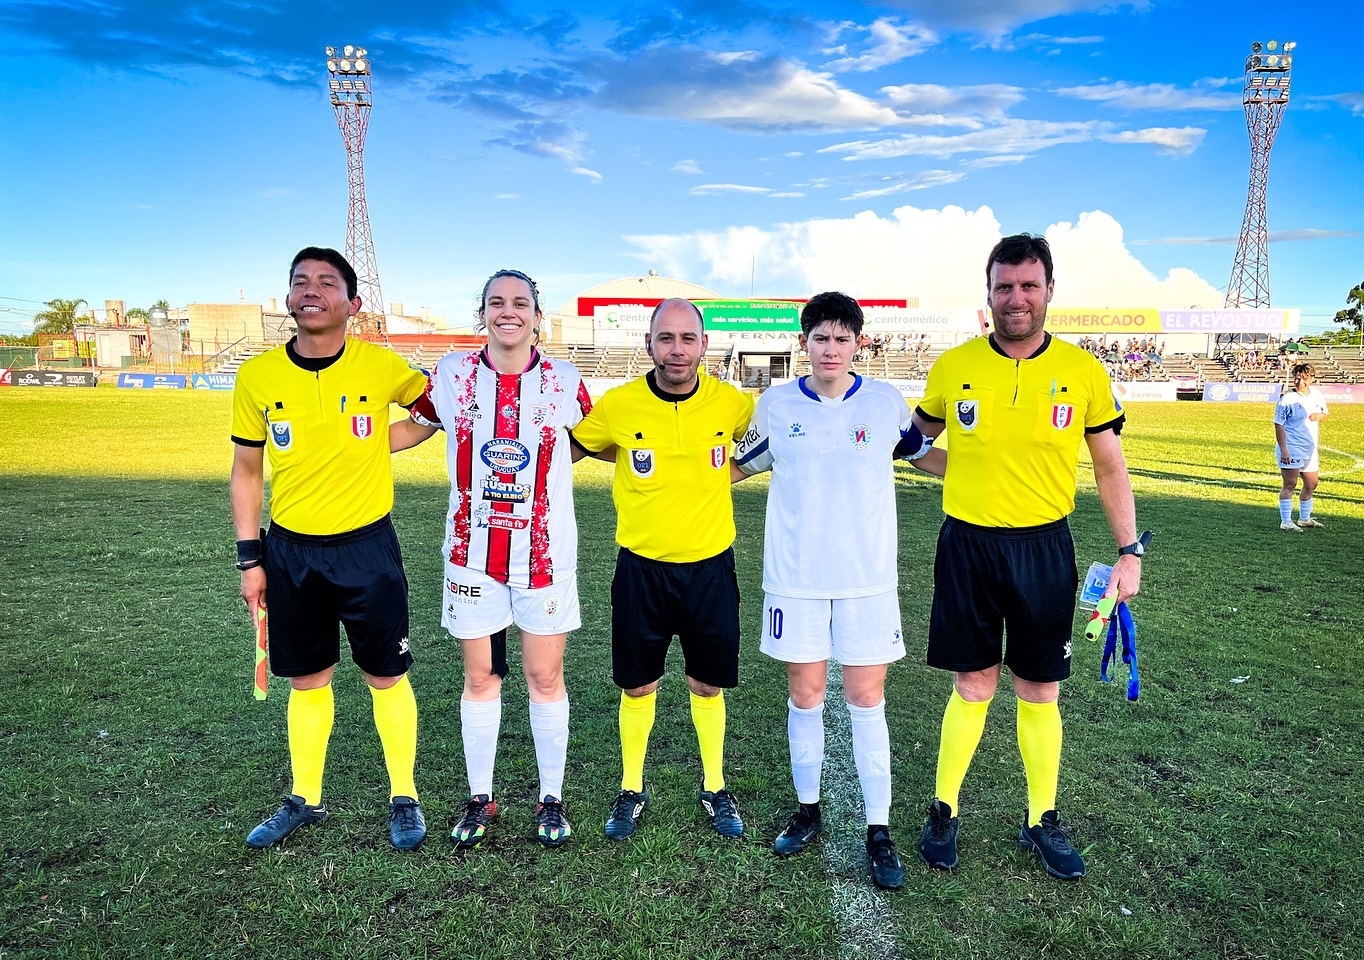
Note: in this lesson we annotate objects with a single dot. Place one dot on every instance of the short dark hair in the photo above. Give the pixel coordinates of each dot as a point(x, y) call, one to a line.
point(1020, 248)
point(1300, 368)
point(699, 316)
point(534, 290)
point(832, 307)
point(328, 255)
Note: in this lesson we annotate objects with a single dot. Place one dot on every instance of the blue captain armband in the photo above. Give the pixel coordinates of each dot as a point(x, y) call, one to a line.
point(913, 444)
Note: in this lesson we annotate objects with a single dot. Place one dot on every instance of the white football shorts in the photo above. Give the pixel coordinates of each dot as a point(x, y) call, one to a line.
point(475, 605)
point(1300, 460)
point(856, 631)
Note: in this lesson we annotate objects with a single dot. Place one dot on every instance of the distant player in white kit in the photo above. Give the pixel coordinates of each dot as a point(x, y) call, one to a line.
point(1296, 417)
point(829, 559)
point(511, 542)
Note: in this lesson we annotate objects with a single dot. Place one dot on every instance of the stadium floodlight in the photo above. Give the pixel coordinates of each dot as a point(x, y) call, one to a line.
point(1265, 96)
point(349, 85)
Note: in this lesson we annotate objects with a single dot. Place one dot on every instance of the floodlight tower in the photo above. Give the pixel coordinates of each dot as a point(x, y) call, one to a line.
point(348, 73)
point(1269, 71)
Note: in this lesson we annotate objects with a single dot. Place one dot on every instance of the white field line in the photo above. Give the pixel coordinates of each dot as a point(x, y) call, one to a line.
point(860, 909)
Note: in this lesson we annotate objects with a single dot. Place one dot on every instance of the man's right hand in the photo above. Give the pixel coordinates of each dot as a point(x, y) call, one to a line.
point(253, 590)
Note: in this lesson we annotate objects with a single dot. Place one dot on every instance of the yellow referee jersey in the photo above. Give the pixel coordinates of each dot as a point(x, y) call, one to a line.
point(1014, 428)
point(325, 430)
point(671, 486)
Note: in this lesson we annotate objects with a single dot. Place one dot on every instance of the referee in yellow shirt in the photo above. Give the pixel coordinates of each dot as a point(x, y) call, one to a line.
point(1015, 406)
point(319, 406)
point(672, 429)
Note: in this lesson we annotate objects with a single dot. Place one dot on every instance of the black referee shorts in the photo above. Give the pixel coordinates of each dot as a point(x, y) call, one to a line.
point(993, 581)
point(313, 585)
point(652, 600)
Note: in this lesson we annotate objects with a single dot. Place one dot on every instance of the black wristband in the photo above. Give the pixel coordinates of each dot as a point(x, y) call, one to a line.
point(248, 551)
point(245, 565)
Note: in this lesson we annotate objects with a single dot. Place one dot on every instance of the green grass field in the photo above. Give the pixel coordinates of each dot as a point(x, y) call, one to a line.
point(1219, 816)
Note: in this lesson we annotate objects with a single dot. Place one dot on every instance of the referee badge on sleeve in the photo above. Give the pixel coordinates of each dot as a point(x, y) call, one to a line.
point(642, 463)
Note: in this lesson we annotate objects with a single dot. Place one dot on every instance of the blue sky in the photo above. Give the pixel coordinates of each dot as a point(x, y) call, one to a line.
point(186, 151)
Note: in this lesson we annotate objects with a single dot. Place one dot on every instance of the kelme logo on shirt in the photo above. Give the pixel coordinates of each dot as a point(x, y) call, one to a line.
point(967, 411)
point(1061, 415)
point(642, 462)
point(362, 425)
point(504, 455)
point(281, 435)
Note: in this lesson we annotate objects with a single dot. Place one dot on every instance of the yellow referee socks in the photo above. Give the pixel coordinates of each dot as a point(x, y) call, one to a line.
point(962, 724)
point(395, 716)
point(708, 714)
point(636, 721)
point(311, 713)
point(1039, 741)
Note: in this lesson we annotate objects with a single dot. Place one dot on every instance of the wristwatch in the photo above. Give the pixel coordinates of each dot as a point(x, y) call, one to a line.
point(1137, 549)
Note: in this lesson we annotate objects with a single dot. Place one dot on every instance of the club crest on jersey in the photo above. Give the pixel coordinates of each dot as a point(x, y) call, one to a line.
point(719, 456)
point(642, 462)
point(968, 413)
point(540, 414)
point(505, 455)
point(1061, 415)
point(282, 435)
point(551, 606)
point(859, 435)
point(362, 425)
point(508, 412)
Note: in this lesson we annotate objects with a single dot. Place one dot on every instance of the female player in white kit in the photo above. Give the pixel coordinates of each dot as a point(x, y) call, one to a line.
point(1296, 443)
point(511, 543)
point(829, 559)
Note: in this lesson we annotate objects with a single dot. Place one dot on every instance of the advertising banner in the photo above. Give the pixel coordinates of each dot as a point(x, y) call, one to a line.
point(1234, 392)
point(939, 324)
point(214, 381)
point(1185, 384)
point(1124, 321)
point(52, 378)
point(6, 378)
point(910, 389)
point(148, 381)
point(1143, 390)
point(768, 316)
point(1229, 321)
point(1342, 392)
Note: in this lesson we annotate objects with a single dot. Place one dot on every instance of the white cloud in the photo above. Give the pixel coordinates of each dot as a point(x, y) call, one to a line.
point(1014, 136)
point(1354, 101)
point(711, 189)
point(891, 42)
point(507, 196)
point(1010, 136)
point(995, 18)
point(935, 255)
point(1274, 236)
point(904, 182)
point(687, 166)
point(1175, 141)
point(1156, 96)
point(926, 99)
point(786, 194)
point(744, 90)
point(996, 161)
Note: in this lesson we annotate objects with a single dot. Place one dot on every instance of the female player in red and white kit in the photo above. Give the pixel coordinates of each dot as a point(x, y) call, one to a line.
point(511, 542)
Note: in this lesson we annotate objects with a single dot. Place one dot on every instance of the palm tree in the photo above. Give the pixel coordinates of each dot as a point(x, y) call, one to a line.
point(59, 317)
